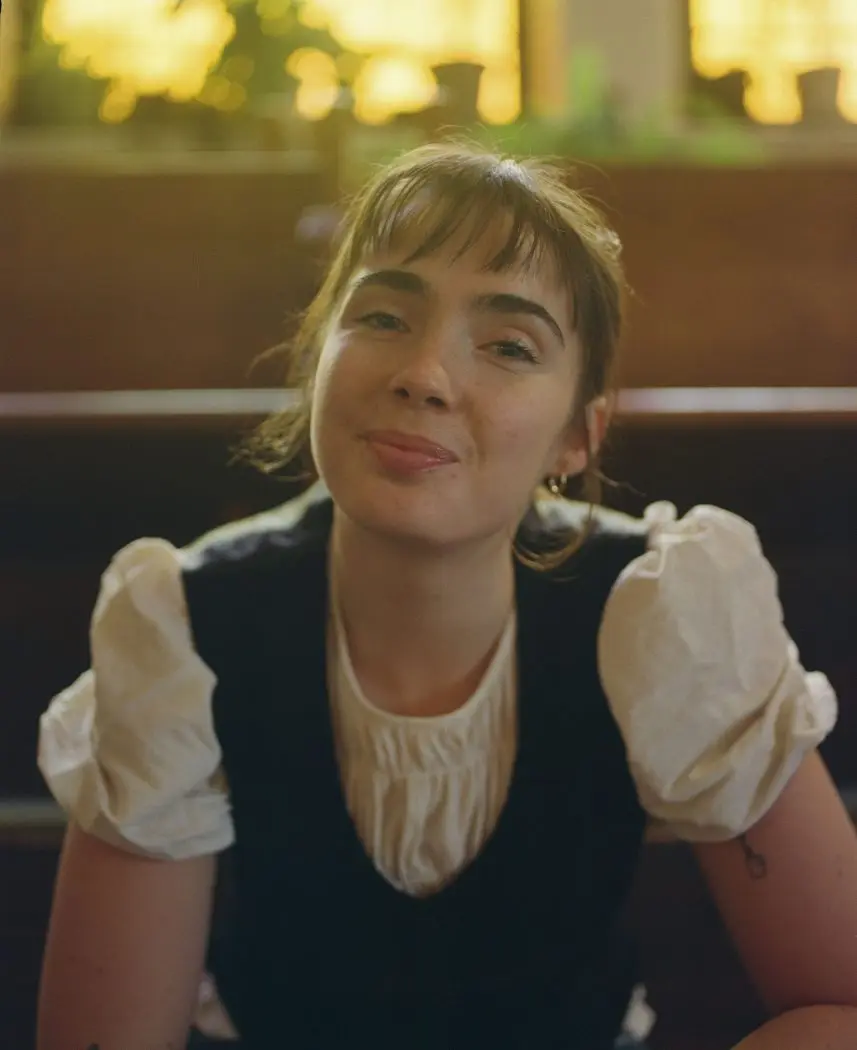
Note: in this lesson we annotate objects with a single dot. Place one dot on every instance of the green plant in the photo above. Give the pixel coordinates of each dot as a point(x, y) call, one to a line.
point(592, 128)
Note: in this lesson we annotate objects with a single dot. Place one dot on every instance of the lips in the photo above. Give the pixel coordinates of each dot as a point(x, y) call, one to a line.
point(412, 443)
point(408, 454)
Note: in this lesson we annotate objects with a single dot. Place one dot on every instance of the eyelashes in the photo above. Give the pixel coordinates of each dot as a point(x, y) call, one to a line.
point(381, 321)
point(506, 349)
point(519, 350)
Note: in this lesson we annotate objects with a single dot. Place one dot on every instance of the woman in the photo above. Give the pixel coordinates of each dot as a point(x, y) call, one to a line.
point(432, 703)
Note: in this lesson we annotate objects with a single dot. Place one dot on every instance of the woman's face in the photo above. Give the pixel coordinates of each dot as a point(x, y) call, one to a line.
point(444, 396)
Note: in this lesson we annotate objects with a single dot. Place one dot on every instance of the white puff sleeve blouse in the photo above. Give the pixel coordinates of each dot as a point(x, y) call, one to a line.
point(703, 679)
point(129, 749)
point(701, 675)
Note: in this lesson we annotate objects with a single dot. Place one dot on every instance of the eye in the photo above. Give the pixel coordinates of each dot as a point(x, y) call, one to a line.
point(382, 321)
point(515, 349)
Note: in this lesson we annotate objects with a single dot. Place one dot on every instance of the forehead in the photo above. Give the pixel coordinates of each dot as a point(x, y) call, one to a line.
point(483, 260)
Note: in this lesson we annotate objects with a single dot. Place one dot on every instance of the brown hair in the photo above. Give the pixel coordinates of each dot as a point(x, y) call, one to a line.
point(428, 196)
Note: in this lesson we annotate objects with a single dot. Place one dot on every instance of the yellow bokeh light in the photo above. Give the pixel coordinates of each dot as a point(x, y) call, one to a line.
point(499, 96)
point(318, 89)
point(221, 93)
point(310, 63)
point(315, 101)
point(117, 105)
point(775, 41)
point(391, 85)
point(313, 17)
point(403, 42)
point(154, 47)
point(149, 47)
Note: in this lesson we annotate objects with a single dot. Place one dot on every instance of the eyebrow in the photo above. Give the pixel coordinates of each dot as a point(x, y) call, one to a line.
point(494, 302)
point(508, 303)
point(397, 280)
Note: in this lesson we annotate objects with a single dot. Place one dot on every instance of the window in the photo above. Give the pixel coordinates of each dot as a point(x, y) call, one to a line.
point(159, 47)
point(774, 42)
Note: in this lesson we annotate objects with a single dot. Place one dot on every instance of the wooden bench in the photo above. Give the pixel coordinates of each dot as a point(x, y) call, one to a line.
point(81, 475)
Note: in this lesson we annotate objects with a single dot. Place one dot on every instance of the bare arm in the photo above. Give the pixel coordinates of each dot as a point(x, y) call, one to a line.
point(810, 1028)
point(125, 949)
point(787, 891)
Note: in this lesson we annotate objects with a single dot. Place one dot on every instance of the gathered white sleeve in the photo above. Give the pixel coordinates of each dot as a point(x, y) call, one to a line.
point(129, 749)
point(703, 680)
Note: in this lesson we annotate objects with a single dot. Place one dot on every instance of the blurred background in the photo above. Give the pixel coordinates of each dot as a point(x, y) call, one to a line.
point(170, 177)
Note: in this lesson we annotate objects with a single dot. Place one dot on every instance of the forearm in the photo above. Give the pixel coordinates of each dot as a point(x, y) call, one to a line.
point(810, 1028)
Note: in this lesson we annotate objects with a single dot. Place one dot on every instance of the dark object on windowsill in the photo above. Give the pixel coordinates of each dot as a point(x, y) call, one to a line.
point(819, 89)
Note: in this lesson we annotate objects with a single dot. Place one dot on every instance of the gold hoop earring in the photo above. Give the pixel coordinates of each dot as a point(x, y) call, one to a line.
point(557, 485)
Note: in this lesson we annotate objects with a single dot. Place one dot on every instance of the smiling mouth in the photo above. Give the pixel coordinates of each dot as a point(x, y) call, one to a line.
point(408, 453)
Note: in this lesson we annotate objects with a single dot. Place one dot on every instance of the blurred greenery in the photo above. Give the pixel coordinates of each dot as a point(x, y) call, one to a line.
point(262, 46)
point(592, 128)
point(50, 95)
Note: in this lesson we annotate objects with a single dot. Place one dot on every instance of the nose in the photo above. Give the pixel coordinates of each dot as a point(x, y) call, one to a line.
point(425, 377)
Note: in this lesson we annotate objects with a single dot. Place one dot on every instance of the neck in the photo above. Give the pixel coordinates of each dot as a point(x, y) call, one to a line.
point(422, 624)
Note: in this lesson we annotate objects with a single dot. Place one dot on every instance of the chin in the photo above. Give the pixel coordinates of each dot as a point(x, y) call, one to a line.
point(416, 511)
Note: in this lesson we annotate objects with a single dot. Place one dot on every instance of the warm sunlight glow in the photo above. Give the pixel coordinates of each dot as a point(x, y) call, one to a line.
point(319, 82)
point(775, 41)
point(143, 47)
point(407, 40)
point(396, 84)
point(156, 47)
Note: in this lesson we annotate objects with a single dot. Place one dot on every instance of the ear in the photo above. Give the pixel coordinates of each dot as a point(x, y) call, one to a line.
point(586, 436)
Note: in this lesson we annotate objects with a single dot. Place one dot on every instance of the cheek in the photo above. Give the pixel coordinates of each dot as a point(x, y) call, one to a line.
point(324, 397)
point(342, 398)
point(327, 367)
point(332, 383)
point(529, 427)
point(345, 372)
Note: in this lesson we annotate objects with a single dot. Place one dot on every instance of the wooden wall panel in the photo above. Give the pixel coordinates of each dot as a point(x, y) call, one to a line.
point(148, 280)
point(742, 278)
point(71, 496)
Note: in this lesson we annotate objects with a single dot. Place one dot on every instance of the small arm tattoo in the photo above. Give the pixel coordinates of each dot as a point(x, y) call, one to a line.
point(756, 863)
